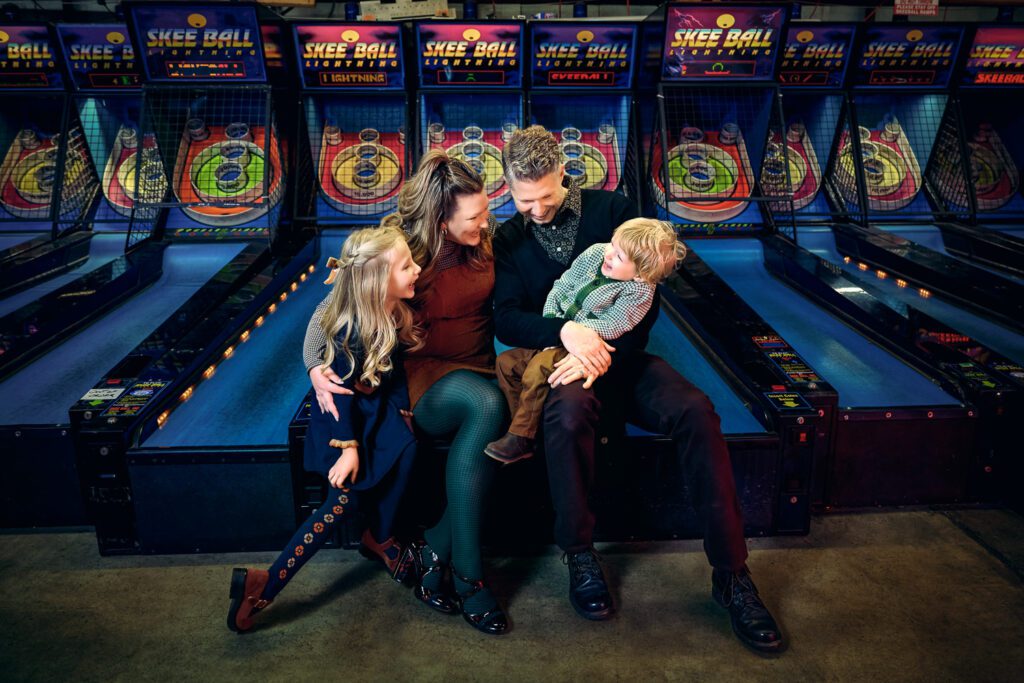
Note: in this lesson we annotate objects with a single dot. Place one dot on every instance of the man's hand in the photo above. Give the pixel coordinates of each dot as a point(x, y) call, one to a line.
point(407, 416)
point(588, 347)
point(570, 369)
point(326, 382)
point(347, 467)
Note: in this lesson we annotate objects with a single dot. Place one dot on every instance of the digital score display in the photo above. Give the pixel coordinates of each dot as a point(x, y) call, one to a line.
point(364, 55)
point(583, 55)
point(28, 59)
point(198, 42)
point(467, 55)
point(721, 43)
point(996, 57)
point(816, 55)
point(99, 56)
point(907, 56)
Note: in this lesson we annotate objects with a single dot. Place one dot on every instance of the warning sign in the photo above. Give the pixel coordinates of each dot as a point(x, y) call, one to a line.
point(924, 8)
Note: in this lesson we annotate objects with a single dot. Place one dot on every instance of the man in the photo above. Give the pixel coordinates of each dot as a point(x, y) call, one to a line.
point(556, 221)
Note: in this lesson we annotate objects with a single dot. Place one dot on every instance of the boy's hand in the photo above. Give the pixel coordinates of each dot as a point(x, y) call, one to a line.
point(570, 369)
point(592, 352)
point(347, 467)
point(325, 383)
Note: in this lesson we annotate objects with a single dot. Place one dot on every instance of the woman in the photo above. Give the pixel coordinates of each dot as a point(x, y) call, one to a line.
point(443, 211)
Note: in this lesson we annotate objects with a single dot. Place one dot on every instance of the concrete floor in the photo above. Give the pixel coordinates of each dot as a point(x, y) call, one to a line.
point(880, 596)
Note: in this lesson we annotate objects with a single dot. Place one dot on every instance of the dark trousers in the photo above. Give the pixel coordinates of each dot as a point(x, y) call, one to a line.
point(653, 396)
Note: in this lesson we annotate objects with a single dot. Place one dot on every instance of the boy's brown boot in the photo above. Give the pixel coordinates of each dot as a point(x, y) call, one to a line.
point(510, 448)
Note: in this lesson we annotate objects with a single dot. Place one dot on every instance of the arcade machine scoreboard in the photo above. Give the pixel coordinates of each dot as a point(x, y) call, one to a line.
point(982, 128)
point(355, 121)
point(207, 100)
point(582, 77)
point(470, 98)
point(47, 184)
point(709, 139)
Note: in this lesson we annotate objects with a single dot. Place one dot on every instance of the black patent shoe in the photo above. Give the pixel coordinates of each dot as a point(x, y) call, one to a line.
point(752, 623)
point(493, 622)
point(588, 589)
point(425, 562)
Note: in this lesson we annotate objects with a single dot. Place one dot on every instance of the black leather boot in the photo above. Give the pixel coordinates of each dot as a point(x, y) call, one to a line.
point(588, 589)
point(752, 623)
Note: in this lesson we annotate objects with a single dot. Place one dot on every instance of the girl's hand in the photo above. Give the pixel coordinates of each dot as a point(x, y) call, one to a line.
point(407, 416)
point(347, 467)
point(326, 383)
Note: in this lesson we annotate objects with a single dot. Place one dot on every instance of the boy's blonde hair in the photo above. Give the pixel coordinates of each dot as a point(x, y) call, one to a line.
point(358, 302)
point(652, 246)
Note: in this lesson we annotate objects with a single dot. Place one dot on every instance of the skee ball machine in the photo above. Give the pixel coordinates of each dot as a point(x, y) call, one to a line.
point(811, 72)
point(470, 99)
point(355, 121)
point(207, 100)
point(47, 184)
point(984, 128)
point(582, 75)
point(108, 100)
point(899, 98)
point(717, 103)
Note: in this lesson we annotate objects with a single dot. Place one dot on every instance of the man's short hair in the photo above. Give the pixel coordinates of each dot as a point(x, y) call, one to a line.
point(531, 154)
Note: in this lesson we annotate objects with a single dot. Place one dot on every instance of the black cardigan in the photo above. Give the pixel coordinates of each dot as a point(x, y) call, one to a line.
point(524, 275)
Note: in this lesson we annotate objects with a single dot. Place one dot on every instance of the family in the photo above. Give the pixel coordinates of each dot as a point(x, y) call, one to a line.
point(405, 341)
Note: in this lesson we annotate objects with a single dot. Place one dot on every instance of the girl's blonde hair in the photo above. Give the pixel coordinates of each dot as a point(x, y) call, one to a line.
point(358, 302)
point(652, 246)
point(428, 199)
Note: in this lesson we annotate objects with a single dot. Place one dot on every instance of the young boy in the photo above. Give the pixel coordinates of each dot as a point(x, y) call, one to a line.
point(608, 288)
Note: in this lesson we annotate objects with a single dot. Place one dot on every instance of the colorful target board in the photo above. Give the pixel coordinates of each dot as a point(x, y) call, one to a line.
point(355, 115)
point(227, 173)
point(894, 126)
point(470, 100)
point(703, 167)
point(586, 58)
point(815, 58)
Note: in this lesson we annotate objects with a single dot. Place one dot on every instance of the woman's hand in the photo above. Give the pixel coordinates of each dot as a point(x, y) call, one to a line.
point(347, 467)
point(407, 416)
point(326, 383)
point(592, 352)
point(570, 369)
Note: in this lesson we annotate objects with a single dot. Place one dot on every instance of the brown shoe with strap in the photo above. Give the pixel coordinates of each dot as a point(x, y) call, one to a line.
point(246, 597)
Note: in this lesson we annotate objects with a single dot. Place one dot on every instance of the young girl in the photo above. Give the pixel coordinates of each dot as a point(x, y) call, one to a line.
point(371, 446)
